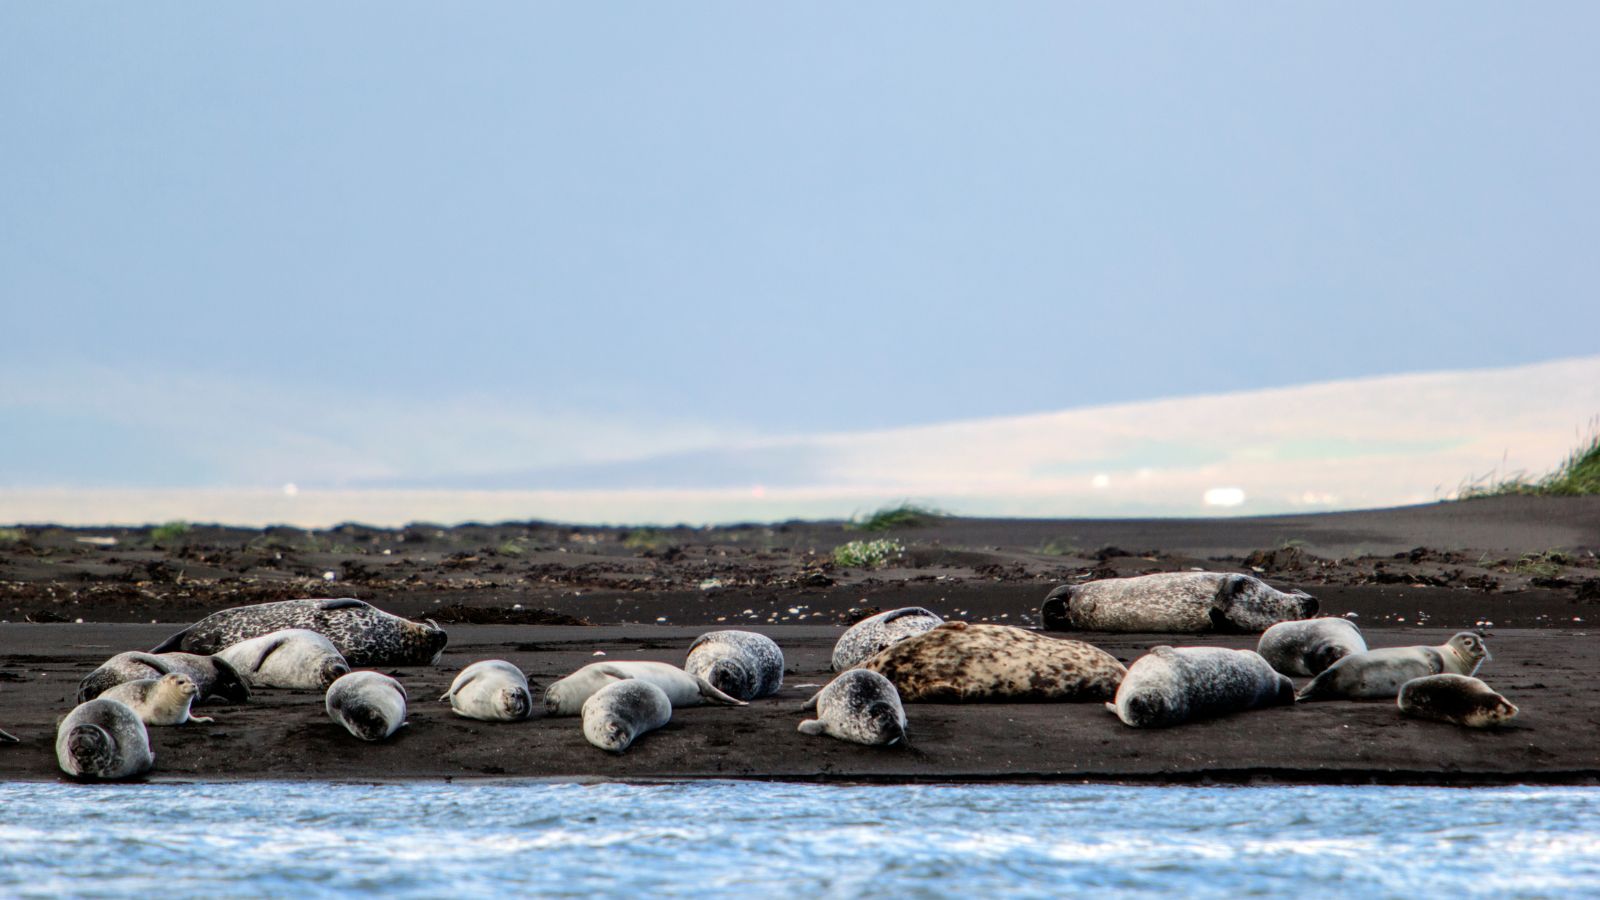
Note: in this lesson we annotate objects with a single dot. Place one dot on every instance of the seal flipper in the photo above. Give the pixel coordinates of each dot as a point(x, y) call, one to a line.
point(271, 648)
point(172, 644)
point(456, 687)
point(813, 726)
point(909, 611)
point(812, 703)
point(9, 738)
point(710, 693)
point(341, 603)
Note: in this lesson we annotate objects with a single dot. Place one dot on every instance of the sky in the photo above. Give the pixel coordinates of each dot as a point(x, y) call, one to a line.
point(409, 246)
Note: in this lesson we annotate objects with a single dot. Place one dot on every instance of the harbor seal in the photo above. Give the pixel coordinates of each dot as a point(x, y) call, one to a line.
point(870, 635)
point(1191, 602)
point(1172, 685)
point(363, 634)
point(566, 697)
point(492, 690)
point(1308, 646)
point(369, 705)
point(859, 706)
point(619, 713)
point(741, 664)
point(216, 679)
point(1378, 674)
point(159, 701)
point(103, 739)
point(960, 662)
point(295, 659)
point(1457, 699)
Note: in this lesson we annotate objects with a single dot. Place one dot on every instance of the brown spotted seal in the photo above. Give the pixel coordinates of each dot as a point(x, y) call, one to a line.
point(961, 662)
point(363, 634)
point(1189, 602)
point(159, 701)
point(216, 679)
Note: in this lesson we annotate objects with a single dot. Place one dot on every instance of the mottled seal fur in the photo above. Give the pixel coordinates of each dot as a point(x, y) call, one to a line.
point(369, 705)
point(617, 714)
point(159, 701)
point(1189, 602)
point(1173, 685)
point(1308, 646)
point(859, 706)
point(1457, 699)
point(103, 739)
point(566, 697)
point(491, 690)
point(363, 634)
point(870, 635)
point(960, 662)
point(741, 664)
point(294, 659)
point(1378, 674)
point(216, 679)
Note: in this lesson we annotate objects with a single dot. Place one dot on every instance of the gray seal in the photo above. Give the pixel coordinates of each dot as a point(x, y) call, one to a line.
point(103, 739)
point(566, 696)
point(1188, 602)
point(491, 690)
point(741, 664)
point(1457, 699)
point(159, 701)
point(1379, 674)
point(293, 658)
point(370, 705)
point(859, 706)
point(1172, 685)
point(619, 713)
point(872, 634)
point(1308, 646)
point(959, 662)
point(363, 634)
point(216, 679)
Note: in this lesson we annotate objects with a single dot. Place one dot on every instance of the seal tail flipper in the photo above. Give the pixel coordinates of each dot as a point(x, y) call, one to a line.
point(9, 738)
point(204, 720)
point(710, 693)
point(812, 726)
point(456, 687)
point(341, 603)
point(1312, 691)
point(812, 703)
point(173, 643)
point(1112, 708)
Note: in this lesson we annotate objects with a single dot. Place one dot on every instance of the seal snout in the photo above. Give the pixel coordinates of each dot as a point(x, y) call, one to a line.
point(1308, 604)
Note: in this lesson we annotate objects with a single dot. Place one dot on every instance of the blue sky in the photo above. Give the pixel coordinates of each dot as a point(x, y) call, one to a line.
point(581, 233)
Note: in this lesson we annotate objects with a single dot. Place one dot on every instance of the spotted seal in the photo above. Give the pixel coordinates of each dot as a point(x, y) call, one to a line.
point(1307, 646)
point(363, 634)
point(959, 662)
point(566, 697)
point(293, 658)
point(215, 677)
point(741, 664)
point(859, 706)
point(1457, 699)
point(159, 701)
point(1191, 602)
point(619, 713)
point(874, 633)
point(1172, 685)
point(370, 705)
point(1378, 674)
point(103, 739)
point(492, 690)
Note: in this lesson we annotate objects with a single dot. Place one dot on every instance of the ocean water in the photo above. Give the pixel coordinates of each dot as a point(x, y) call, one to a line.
point(715, 839)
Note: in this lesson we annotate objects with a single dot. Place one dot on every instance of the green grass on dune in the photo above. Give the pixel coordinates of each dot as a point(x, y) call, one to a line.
point(906, 515)
point(1578, 475)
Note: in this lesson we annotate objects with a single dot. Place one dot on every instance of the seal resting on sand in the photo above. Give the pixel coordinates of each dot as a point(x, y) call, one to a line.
point(874, 633)
point(566, 697)
point(741, 664)
point(370, 705)
point(1308, 646)
point(491, 690)
point(1189, 602)
point(1173, 685)
point(960, 662)
point(216, 679)
point(859, 706)
point(1378, 674)
point(1457, 699)
point(103, 739)
point(617, 714)
point(363, 634)
point(159, 701)
point(293, 658)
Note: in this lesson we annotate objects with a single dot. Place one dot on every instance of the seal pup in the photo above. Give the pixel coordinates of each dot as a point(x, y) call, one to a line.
point(216, 679)
point(1308, 646)
point(159, 701)
point(741, 664)
point(294, 658)
point(1173, 685)
point(363, 634)
point(617, 714)
point(1379, 674)
point(566, 697)
point(370, 705)
point(1190, 602)
point(492, 690)
point(870, 635)
point(859, 706)
point(959, 662)
point(1457, 699)
point(103, 739)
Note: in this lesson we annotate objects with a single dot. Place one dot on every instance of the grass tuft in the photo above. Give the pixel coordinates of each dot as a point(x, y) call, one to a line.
point(867, 554)
point(11, 536)
point(906, 515)
point(169, 531)
point(1542, 565)
point(1578, 475)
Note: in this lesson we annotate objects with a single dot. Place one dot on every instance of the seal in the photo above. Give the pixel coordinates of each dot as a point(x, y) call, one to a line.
point(1379, 674)
point(960, 662)
point(492, 690)
point(1172, 685)
point(859, 706)
point(294, 658)
point(103, 739)
point(617, 714)
point(741, 664)
point(870, 635)
point(216, 679)
point(1457, 699)
point(369, 705)
point(1307, 646)
point(159, 701)
point(566, 697)
point(363, 634)
point(1190, 602)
